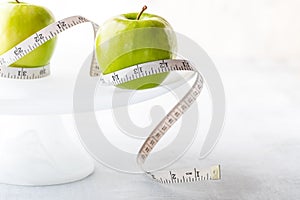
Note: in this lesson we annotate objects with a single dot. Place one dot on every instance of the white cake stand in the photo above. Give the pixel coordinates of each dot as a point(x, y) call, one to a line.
point(39, 144)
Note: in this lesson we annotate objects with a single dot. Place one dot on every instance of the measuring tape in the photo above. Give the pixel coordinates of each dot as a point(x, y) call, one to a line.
point(125, 75)
point(31, 43)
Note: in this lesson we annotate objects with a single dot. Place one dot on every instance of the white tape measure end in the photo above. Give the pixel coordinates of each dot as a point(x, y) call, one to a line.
point(215, 172)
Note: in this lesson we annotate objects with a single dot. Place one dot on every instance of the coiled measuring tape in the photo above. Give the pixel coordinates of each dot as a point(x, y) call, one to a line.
point(116, 78)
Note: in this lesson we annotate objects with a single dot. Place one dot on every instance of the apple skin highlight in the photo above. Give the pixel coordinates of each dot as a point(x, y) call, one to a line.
point(125, 41)
point(19, 21)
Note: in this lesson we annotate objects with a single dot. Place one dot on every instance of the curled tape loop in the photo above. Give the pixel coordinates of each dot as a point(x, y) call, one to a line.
point(116, 78)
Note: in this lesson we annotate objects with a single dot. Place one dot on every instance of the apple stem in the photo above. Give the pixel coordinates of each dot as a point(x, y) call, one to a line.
point(17, 1)
point(140, 14)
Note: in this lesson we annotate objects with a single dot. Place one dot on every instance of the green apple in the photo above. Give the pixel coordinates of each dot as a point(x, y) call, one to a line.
point(20, 20)
point(135, 38)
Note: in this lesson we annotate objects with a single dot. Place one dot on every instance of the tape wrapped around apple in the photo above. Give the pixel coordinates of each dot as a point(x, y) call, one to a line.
point(135, 38)
point(19, 20)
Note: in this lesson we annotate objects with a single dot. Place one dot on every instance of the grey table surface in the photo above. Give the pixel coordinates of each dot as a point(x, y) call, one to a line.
point(259, 150)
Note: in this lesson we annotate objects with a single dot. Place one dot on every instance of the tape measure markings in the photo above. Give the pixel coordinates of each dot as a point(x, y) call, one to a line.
point(187, 175)
point(146, 69)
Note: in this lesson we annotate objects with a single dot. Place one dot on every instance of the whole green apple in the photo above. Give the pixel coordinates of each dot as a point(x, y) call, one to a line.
point(132, 39)
point(20, 20)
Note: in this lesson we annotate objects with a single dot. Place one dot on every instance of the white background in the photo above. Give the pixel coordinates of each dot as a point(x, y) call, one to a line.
point(256, 47)
point(239, 29)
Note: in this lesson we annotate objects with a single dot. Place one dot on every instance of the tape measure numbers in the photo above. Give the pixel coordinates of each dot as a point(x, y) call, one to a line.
point(165, 177)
